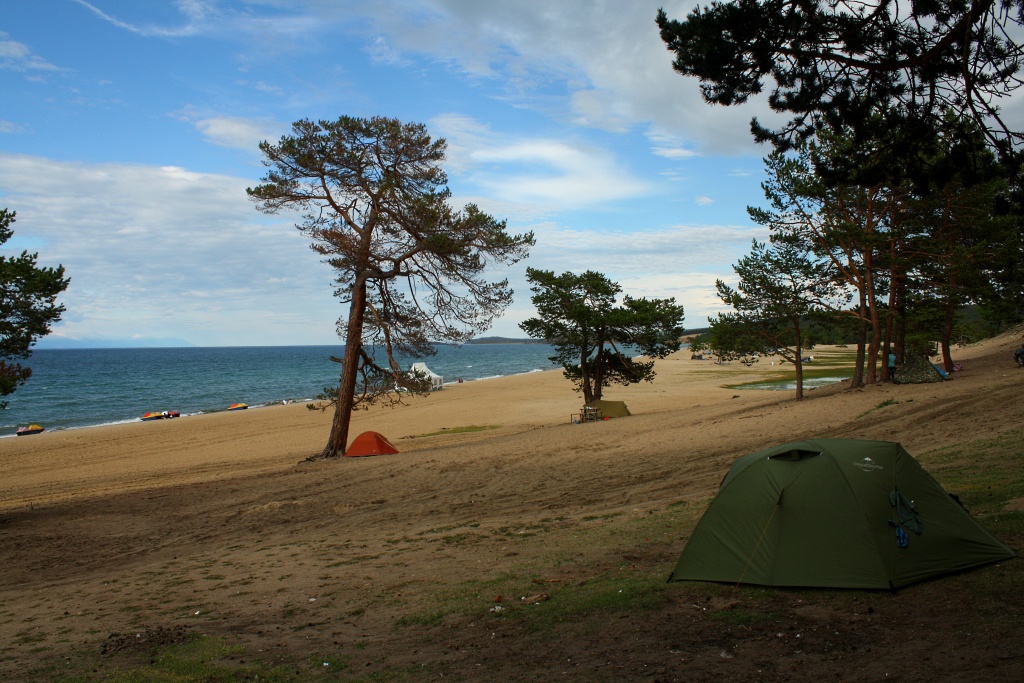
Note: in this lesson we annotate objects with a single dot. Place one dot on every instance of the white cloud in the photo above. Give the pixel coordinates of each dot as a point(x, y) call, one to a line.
point(10, 127)
point(607, 54)
point(681, 261)
point(10, 49)
point(600, 109)
point(168, 252)
point(551, 171)
point(194, 11)
point(674, 249)
point(235, 132)
point(463, 135)
point(269, 89)
point(15, 56)
point(548, 172)
point(239, 133)
point(152, 249)
point(382, 52)
point(604, 58)
point(676, 152)
point(672, 146)
point(703, 200)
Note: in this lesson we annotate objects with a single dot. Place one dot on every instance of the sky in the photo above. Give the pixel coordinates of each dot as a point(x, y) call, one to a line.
point(129, 132)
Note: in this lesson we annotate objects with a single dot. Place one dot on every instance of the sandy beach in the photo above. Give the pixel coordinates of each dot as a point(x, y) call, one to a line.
point(198, 448)
point(215, 524)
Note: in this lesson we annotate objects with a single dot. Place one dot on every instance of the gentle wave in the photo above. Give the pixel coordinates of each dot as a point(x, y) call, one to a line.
point(77, 388)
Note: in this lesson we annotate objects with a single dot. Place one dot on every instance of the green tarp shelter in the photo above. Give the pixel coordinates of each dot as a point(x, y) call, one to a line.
point(918, 370)
point(839, 513)
point(610, 408)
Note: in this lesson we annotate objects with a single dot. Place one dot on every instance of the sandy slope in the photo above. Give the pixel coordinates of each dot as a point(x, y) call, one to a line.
point(215, 523)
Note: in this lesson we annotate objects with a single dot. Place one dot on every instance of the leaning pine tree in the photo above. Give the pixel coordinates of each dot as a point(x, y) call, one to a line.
point(411, 267)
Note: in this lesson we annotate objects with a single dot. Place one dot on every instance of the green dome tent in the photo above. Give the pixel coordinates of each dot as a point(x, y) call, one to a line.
point(839, 513)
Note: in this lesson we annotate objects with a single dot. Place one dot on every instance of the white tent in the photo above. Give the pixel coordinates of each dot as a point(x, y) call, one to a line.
point(421, 370)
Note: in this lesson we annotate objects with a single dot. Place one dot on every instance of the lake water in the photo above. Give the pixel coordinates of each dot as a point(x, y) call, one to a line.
point(73, 388)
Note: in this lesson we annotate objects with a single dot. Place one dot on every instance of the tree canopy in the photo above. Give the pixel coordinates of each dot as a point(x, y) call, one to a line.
point(780, 287)
point(912, 258)
point(591, 334)
point(28, 307)
point(886, 70)
point(410, 266)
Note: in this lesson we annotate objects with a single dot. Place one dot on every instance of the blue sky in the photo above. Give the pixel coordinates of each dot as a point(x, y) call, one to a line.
point(129, 132)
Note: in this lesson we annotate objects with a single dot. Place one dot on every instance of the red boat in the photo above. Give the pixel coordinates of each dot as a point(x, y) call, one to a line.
point(31, 429)
point(167, 414)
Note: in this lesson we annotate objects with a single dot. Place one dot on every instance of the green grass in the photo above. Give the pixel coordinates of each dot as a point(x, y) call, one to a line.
point(985, 474)
point(828, 364)
point(197, 659)
point(741, 615)
point(540, 606)
point(884, 404)
point(631, 580)
point(779, 378)
point(608, 595)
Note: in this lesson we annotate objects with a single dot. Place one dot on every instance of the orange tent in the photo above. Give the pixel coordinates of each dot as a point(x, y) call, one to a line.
point(370, 443)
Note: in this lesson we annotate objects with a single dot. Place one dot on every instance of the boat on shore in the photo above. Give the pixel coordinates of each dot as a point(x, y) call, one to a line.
point(165, 415)
point(238, 406)
point(31, 429)
point(110, 386)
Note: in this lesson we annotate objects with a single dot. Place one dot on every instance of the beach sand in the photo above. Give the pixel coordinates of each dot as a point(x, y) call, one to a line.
point(119, 539)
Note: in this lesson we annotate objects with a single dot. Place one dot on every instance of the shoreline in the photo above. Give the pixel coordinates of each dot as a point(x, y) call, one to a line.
point(689, 403)
point(103, 459)
point(259, 406)
point(182, 416)
point(115, 386)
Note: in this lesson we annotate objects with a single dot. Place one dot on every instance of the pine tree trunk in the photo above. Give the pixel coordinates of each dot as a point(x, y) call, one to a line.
point(946, 337)
point(798, 363)
point(338, 440)
point(858, 368)
point(890, 329)
point(894, 323)
point(875, 343)
point(585, 379)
